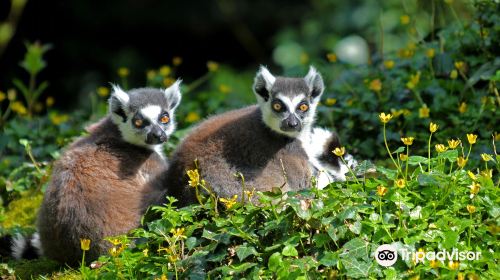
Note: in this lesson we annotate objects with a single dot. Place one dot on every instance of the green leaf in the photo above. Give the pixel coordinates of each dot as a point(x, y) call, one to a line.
point(356, 268)
point(416, 160)
point(399, 150)
point(450, 239)
point(329, 259)
point(190, 243)
point(290, 251)
point(244, 251)
point(389, 173)
point(275, 262)
point(450, 155)
point(355, 248)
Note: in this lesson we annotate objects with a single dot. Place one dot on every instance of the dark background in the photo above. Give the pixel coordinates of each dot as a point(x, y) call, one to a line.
point(91, 39)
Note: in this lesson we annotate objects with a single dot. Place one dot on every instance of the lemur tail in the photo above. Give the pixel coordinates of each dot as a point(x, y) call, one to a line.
point(21, 247)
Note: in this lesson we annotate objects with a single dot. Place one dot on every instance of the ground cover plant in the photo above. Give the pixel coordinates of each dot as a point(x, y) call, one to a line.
point(422, 119)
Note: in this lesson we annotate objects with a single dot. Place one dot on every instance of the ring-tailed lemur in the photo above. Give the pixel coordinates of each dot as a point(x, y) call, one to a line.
point(265, 143)
point(102, 185)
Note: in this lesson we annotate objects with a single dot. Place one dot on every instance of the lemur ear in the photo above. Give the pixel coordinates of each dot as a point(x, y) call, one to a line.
point(118, 102)
point(263, 83)
point(315, 82)
point(173, 94)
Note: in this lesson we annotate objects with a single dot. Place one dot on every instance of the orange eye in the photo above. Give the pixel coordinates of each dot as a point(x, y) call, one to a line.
point(165, 119)
point(276, 106)
point(138, 123)
point(304, 107)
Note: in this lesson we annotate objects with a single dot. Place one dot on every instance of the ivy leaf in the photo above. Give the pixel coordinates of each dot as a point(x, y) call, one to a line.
point(244, 251)
point(275, 262)
point(290, 251)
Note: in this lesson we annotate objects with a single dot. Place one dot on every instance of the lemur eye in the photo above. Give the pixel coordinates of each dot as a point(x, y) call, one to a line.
point(277, 106)
point(138, 122)
point(304, 107)
point(164, 119)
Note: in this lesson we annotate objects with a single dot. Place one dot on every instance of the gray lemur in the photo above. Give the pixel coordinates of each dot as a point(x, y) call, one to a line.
point(265, 143)
point(101, 185)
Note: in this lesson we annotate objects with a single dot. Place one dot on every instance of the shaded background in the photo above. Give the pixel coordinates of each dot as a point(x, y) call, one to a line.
point(91, 39)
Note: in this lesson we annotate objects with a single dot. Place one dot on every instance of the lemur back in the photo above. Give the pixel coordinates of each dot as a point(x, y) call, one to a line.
point(237, 141)
point(102, 185)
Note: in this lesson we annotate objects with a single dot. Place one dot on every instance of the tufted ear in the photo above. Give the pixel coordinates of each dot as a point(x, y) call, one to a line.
point(315, 83)
point(263, 83)
point(118, 102)
point(173, 94)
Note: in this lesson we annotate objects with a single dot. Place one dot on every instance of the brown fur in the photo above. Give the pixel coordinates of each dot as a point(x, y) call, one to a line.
point(98, 189)
point(237, 141)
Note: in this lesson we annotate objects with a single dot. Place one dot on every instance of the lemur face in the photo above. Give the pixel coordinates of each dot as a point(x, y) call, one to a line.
point(288, 105)
point(145, 116)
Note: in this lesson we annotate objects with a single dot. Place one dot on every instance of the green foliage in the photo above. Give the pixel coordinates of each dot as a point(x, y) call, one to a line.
point(442, 68)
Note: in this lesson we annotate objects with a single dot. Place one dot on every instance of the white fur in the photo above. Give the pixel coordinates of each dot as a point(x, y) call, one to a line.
point(19, 244)
point(36, 243)
point(174, 92)
point(120, 94)
point(268, 77)
point(152, 113)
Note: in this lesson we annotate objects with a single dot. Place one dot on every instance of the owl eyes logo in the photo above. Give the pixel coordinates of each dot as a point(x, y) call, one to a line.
point(386, 255)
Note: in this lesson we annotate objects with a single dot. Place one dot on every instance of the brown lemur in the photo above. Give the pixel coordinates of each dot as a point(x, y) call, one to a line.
point(266, 142)
point(101, 185)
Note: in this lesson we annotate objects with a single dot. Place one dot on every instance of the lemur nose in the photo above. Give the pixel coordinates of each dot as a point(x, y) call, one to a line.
point(156, 136)
point(293, 123)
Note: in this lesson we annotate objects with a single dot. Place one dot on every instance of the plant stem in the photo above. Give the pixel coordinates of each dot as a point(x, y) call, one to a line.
point(350, 170)
point(429, 154)
point(389, 151)
point(407, 159)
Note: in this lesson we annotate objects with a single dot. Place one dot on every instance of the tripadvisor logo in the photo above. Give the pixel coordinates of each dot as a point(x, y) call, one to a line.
point(387, 255)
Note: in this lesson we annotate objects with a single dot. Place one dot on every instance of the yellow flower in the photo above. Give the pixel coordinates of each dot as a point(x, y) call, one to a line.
point(168, 81)
point(461, 161)
point(434, 263)
point(194, 177)
point(165, 70)
point(461, 66)
point(433, 127)
point(2, 96)
point(103, 91)
point(177, 60)
point(331, 57)
point(488, 173)
point(475, 188)
point(330, 101)
point(212, 66)
point(440, 148)
point(453, 144)
point(408, 141)
point(497, 136)
point(375, 85)
point(19, 108)
point(460, 276)
point(472, 138)
point(404, 19)
point(145, 252)
point(462, 108)
point(115, 241)
point(453, 74)
point(389, 64)
point(85, 244)
point(250, 194)
point(400, 183)
point(229, 202)
point(151, 74)
point(339, 151)
point(192, 117)
point(385, 118)
point(403, 157)
point(116, 251)
point(123, 72)
point(11, 94)
point(471, 208)
point(414, 80)
point(471, 175)
point(57, 119)
point(486, 157)
point(381, 190)
point(453, 265)
point(178, 232)
point(423, 112)
point(430, 53)
point(49, 101)
point(224, 88)
point(406, 53)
